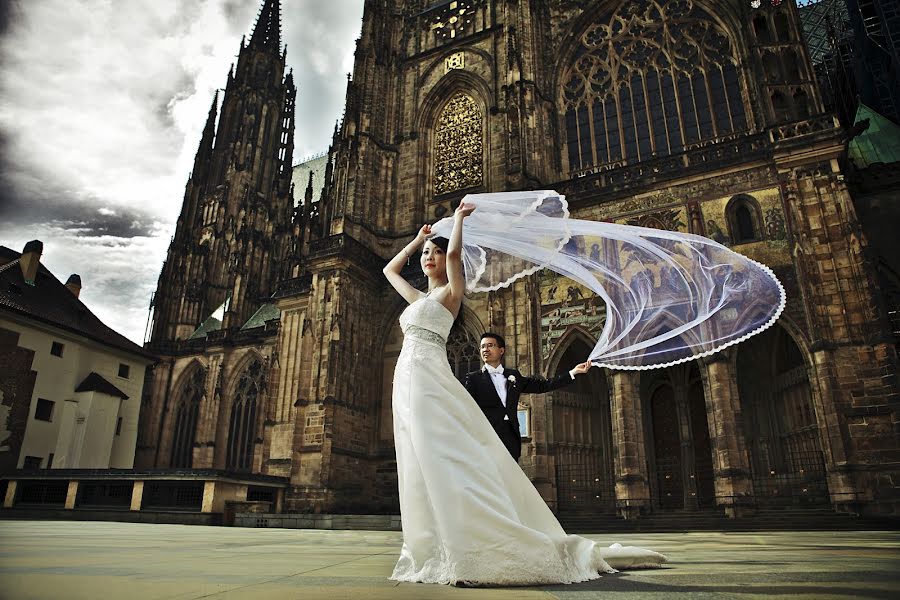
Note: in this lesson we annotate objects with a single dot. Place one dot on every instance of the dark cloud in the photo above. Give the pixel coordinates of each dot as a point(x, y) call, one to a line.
point(9, 10)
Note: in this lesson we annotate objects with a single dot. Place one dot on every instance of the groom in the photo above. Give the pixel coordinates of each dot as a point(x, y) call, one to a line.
point(496, 390)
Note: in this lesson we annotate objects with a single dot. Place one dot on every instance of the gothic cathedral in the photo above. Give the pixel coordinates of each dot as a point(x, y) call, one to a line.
point(277, 334)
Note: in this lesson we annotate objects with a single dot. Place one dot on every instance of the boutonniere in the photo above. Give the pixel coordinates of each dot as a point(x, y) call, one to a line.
point(511, 380)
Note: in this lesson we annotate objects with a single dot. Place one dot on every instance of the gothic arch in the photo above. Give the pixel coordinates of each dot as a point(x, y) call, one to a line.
point(781, 420)
point(580, 431)
point(676, 429)
point(457, 82)
point(247, 396)
point(573, 334)
point(603, 122)
point(190, 393)
point(463, 343)
point(438, 62)
point(744, 219)
point(666, 321)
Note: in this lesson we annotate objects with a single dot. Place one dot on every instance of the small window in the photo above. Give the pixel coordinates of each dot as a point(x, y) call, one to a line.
point(56, 349)
point(124, 370)
point(119, 426)
point(50, 461)
point(744, 221)
point(32, 462)
point(524, 430)
point(44, 410)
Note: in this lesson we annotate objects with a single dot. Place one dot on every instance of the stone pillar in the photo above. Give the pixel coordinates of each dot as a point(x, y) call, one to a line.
point(209, 496)
point(137, 495)
point(71, 495)
point(10, 499)
point(632, 485)
point(731, 464)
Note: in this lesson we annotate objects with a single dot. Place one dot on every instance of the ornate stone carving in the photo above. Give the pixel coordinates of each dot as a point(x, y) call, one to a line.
point(650, 79)
point(453, 19)
point(456, 60)
point(458, 146)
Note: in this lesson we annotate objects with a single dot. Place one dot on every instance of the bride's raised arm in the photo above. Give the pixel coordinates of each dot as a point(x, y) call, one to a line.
point(393, 268)
point(455, 274)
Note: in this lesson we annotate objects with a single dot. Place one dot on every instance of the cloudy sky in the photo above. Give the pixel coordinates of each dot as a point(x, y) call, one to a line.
point(102, 103)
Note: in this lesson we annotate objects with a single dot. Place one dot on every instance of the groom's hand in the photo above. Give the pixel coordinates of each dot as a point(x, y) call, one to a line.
point(580, 369)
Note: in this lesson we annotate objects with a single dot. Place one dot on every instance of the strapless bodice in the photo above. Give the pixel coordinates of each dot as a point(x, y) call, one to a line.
point(429, 315)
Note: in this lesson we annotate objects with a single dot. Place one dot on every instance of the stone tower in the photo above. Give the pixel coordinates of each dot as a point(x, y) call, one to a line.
point(234, 237)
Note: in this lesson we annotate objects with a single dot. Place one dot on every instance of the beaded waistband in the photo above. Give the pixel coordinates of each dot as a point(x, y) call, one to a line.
point(425, 335)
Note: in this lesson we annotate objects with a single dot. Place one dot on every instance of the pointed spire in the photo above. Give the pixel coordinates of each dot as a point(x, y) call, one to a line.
point(267, 31)
point(309, 189)
point(211, 118)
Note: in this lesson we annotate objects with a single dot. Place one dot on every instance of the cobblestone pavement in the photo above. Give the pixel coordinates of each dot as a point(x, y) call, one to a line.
point(63, 560)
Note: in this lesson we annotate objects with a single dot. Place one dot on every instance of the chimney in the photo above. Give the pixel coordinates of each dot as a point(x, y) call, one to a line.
point(73, 284)
point(31, 260)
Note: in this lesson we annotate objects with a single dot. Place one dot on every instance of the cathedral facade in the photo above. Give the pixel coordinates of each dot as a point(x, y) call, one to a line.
point(277, 333)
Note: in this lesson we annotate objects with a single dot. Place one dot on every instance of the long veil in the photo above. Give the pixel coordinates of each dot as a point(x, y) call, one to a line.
point(670, 297)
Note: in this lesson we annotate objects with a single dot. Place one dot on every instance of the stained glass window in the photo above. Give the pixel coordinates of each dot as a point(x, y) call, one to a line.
point(458, 145)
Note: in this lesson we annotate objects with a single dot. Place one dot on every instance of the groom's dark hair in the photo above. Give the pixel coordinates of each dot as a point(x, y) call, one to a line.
point(500, 341)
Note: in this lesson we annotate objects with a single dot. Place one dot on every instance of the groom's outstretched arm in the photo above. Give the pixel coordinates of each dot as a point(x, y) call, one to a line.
point(540, 385)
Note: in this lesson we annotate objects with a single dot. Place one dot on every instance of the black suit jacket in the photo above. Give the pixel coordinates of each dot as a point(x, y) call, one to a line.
point(480, 387)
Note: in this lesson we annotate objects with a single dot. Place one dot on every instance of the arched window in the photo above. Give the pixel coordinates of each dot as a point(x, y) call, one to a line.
point(801, 104)
point(792, 64)
point(761, 28)
point(458, 145)
point(782, 29)
point(744, 219)
point(772, 65)
point(186, 413)
point(649, 79)
point(462, 350)
point(242, 427)
point(781, 106)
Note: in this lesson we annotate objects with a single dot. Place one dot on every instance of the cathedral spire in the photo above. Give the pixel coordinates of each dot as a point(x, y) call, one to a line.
point(267, 31)
point(209, 129)
point(205, 149)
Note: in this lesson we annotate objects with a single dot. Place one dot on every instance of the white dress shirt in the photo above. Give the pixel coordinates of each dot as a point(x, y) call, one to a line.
point(499, 382)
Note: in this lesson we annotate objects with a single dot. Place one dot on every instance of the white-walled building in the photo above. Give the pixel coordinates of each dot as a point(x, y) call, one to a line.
point(70, 387)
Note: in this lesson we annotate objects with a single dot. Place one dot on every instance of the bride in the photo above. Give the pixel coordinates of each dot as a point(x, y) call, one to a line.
point(469, 513)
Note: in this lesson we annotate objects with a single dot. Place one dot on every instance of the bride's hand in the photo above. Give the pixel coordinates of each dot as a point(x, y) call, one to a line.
point(424, 232)
point(464, 209)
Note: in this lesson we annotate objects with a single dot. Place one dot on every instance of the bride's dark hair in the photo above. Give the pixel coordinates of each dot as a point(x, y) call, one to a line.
point(441, 242)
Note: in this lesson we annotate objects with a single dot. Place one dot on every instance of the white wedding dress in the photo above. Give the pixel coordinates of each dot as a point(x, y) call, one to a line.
point(469, 512)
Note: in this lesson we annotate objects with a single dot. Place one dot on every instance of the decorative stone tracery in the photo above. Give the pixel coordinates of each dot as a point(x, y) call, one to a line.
point(650, 79)
point(458, 145)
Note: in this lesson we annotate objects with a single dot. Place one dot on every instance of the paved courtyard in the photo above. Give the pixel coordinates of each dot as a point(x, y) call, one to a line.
point(74, 560)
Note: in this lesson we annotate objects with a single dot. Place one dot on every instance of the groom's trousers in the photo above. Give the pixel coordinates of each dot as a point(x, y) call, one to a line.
point(510, 438)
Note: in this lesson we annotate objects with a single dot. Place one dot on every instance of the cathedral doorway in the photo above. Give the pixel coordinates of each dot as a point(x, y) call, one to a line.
point(780, 426)
point(582, 438)
point(677, 433)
